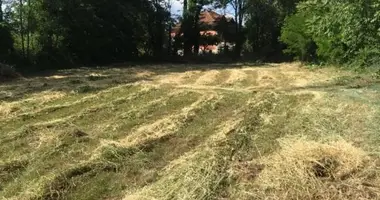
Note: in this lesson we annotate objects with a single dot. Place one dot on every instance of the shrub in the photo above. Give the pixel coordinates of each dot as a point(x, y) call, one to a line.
point(341, 32)
point(8, 73)
point(294, 34)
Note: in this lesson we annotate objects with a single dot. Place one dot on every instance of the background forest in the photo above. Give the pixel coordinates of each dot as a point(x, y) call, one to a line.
point(75, 32)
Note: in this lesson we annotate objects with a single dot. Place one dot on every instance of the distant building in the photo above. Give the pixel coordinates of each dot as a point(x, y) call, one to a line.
point(209, 21)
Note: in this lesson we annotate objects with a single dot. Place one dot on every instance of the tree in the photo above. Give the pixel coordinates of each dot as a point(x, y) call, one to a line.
point(6, 41)
point(240, 7)
point(1, 12)
point(170, 22)
point(344, 31)
point(190, 26)
point(223, 25)
point(29, 15)
point(21, 18)
point(86, 31)
point(295, 34)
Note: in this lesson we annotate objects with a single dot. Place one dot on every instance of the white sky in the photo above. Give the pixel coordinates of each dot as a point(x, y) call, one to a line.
point(177, 6)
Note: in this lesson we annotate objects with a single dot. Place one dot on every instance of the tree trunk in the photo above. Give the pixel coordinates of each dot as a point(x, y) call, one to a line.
point(187, 47)
point(236, 7)
point(22, 28)
point(170, 28)
point(28, 31)
point(170, 40)
point(196, 42)
point(239, 27)
point(186, 29)
point(1, 11)
point(196, 31)
point(225, 29)
point(184, 12)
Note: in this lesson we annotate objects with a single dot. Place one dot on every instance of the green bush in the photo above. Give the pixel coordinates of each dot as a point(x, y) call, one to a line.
point(294, 34)
point(344, 32)
point(368, 57)
point(8, 73)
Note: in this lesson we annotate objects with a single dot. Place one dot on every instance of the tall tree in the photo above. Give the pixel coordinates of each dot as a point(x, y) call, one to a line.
point(240, 7)
point(186, 27)
point(223, 25)
point(190, 25)
point(6, 40)
point(21, 21)
point(28, 23)
point(168, 6)
point(1, 11)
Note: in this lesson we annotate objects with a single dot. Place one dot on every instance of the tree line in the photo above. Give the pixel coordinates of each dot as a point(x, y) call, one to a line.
point(64, 32)
point(81, 31)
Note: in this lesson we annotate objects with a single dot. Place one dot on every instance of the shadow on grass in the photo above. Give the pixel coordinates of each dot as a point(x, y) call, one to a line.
point(358, 84)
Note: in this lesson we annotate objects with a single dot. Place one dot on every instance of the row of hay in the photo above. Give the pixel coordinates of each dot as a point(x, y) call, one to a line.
point(307, 169)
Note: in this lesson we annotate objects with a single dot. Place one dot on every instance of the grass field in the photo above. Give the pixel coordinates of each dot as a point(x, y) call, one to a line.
point(274, 131)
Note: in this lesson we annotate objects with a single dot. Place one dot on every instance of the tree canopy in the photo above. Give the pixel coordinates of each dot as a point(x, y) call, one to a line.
point(64, 32)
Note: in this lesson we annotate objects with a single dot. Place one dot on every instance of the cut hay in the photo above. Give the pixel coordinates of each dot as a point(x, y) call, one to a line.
point(47, 96)
point(173, 78)
point(167, 125)
point(8, 110)
point(56, 77)
point(305, 169)
point(236, 76)
point(198, 174)
point(208, 77)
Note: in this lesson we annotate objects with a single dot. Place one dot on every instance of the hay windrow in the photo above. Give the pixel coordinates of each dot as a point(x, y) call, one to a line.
point(236, 76)
point(306, 169)
point(196, 175)
point(208, 77)
point(168, 124)
point(190, 132)
point(13, 108)
point(176, 78)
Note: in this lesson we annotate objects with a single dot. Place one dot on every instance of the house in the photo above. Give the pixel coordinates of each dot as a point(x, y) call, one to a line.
point(210, 22)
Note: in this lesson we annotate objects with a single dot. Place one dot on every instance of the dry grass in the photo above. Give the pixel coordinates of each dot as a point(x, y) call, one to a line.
point(194, 177)
point(236, 76)
point(208, 78)
point(305, 169)
point(190, 132)
point(167, 125)
point(38, 99)
point(198, 174)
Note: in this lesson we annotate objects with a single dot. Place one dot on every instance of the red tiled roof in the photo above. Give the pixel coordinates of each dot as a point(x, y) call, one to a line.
point(209, 17)
point(206, 18)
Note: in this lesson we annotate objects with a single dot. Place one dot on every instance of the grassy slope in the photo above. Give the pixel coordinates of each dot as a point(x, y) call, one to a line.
point(189, 132)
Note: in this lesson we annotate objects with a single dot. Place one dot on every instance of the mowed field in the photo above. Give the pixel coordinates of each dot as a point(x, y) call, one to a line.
point(271, 131)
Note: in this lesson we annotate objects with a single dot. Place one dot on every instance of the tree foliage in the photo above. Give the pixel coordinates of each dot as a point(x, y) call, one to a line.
point(6, 40)
point(88, 31)
point(295, 34)
point(344, 31)
point(45, 32)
